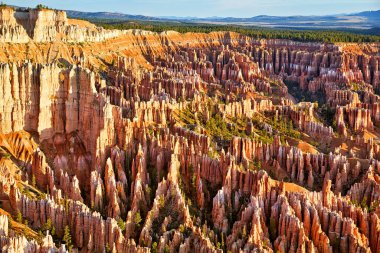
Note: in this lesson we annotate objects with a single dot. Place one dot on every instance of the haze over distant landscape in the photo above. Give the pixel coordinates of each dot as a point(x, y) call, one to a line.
point(323, 14)
point(209, 8)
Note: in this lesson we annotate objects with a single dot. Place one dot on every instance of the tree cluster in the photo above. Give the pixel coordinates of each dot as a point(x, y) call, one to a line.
point(327, 36)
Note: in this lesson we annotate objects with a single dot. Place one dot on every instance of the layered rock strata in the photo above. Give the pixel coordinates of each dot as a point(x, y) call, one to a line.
point(185, 143)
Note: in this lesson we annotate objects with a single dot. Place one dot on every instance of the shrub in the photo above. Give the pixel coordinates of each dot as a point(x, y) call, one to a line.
point(121, 224)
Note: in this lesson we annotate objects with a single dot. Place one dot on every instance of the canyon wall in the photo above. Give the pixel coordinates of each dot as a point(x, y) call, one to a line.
point(184, 142)
point(45, 25)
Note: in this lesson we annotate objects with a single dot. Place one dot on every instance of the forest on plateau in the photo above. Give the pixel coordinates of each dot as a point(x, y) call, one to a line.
point(328, 36)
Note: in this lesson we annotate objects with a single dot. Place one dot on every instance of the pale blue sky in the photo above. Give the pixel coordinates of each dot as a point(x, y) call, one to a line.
point(207, 8)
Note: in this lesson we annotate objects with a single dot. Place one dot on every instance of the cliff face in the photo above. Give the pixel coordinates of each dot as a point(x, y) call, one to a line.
point(184, 143)
point(11, 30)
point(47, 99)
point(46, 26)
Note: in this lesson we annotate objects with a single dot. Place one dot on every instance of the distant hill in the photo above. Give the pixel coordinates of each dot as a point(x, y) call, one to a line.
point(362, 20)
point(108, 15)
point(369, 14)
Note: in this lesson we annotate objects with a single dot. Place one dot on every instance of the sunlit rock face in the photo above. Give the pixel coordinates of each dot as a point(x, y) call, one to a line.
point(136, 141)
point(45, 25)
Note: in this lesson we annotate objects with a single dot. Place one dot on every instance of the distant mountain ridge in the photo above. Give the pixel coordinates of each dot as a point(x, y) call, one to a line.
point(108, 15)
point(361, 20)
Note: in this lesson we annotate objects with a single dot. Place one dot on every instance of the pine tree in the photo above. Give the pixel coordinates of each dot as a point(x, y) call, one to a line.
point(47, 225)
point(34, 181)
point(19, 217)
point(137, 219)
point(154, 247)
point(108, 248)
point(67, 238)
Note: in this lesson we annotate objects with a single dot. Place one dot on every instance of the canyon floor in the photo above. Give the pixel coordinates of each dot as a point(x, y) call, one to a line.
point(134, 141)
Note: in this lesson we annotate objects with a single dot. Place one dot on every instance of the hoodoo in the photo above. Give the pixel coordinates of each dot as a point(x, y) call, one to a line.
point(136, 141)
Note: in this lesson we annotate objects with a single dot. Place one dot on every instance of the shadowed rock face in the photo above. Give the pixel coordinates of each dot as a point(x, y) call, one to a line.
point(185, 143)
